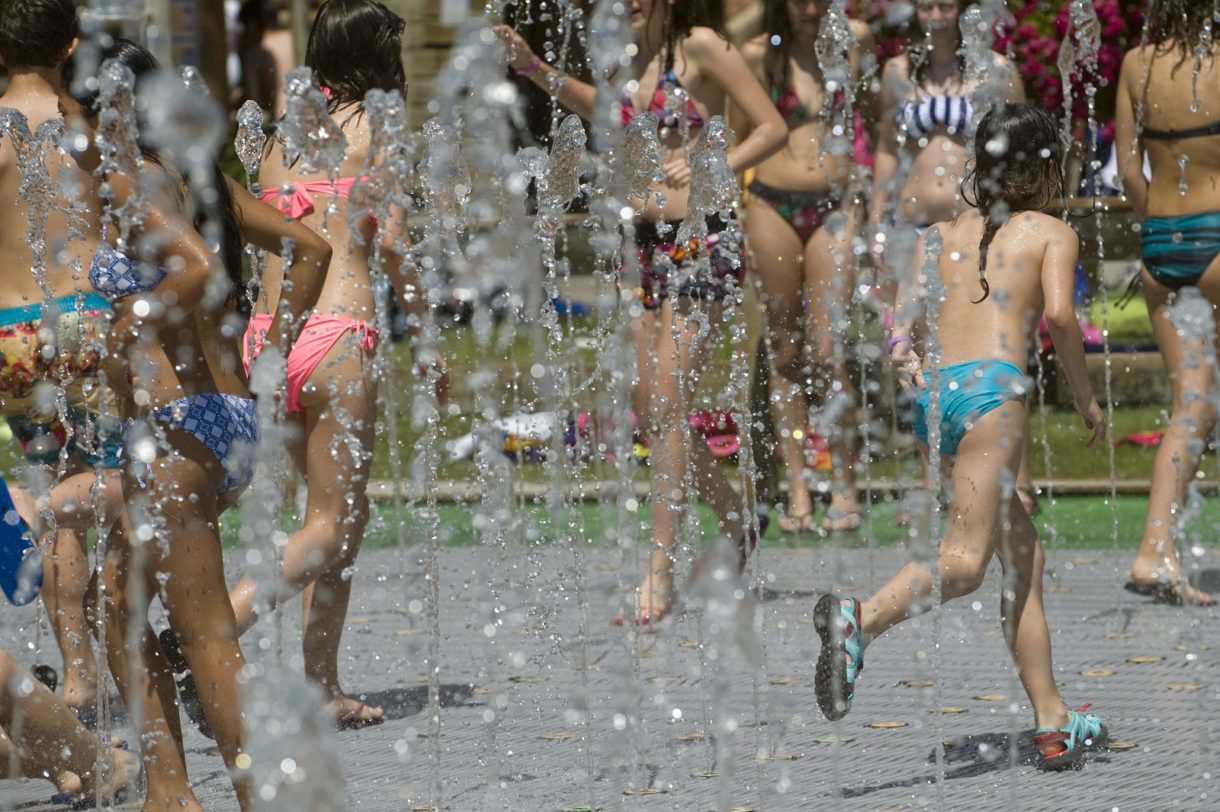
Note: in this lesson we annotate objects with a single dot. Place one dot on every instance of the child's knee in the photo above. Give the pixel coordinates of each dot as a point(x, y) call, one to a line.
point(962, 575)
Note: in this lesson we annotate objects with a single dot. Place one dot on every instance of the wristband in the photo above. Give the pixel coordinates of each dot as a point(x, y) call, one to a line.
point(895, 341)
point(533, 67)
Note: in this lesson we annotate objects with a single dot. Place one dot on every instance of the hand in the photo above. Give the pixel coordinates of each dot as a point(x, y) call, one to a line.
point(520, 54)
point(677, 170)
point(908, 366)
point(431, 367)
point(1094, 421)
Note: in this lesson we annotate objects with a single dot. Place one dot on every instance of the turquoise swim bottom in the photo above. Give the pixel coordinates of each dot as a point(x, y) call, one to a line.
point(968, 391)
point(1177, 250)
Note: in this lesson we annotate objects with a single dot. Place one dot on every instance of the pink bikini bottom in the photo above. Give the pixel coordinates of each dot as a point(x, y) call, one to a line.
point(320, 334)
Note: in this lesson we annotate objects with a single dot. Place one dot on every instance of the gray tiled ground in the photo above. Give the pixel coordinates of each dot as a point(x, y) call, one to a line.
point(524, 727)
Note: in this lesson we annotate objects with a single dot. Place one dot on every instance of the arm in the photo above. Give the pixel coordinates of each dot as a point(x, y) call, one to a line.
point(577, 96)
point(395, 239)
point(1058, 280)
point(1127, 147)
point(265, 227)
point(724, 65)
point(885, 166)
point(909, 328)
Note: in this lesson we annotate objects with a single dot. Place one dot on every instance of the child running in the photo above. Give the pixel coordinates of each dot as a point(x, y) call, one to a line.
point(1003, 263)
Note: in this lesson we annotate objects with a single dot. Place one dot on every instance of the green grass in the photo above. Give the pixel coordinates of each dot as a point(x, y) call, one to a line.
point(1075, 522)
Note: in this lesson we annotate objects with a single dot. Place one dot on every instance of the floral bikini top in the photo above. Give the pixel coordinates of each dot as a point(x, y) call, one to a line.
point(670, 119)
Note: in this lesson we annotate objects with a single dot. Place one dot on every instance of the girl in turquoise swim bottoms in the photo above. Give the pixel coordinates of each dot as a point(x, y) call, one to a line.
point(998, 267)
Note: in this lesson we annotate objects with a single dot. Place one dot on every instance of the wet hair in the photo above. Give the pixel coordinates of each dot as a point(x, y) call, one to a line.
point(78, 74)
point(1178, 24)
point(917, 50)
point(683, 15)
point(1015, 168)
point(777, 25)
point(354, 47)
point(256, 11)
point(36, 33)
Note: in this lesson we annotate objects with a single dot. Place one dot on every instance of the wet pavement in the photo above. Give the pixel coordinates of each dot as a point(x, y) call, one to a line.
point(546, 705)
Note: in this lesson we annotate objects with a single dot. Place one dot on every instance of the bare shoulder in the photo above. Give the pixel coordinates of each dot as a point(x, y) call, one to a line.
point(754, 50)
point(863, 34)
point(1048, 227)
point(703, 42)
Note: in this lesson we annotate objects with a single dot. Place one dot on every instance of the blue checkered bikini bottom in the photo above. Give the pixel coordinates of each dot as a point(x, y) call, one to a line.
point(226, 424)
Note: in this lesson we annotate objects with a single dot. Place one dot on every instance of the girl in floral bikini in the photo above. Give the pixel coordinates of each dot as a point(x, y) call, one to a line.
point(681, 54)
point(800, 236)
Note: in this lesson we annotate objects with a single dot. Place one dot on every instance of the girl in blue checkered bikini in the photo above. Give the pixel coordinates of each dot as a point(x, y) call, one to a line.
point(191, 430)
point(1003, 263)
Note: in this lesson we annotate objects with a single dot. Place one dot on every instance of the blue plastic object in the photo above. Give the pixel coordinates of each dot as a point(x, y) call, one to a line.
point(20, 561)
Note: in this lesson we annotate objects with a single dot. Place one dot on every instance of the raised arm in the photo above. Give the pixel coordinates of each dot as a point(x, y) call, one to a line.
point(395, 240)
point(905, 344)
point(1127, 148)
point(577, 96)
point(1058, 282)
point(265, 227)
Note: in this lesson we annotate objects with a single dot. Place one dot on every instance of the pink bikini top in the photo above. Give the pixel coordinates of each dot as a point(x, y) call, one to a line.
point(299, 201)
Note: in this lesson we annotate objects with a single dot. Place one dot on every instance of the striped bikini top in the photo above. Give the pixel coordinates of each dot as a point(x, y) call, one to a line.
point(924, 115)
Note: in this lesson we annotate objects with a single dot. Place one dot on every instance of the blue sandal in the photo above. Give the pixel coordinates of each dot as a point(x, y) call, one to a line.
point(1064, 747)
point(842, 655)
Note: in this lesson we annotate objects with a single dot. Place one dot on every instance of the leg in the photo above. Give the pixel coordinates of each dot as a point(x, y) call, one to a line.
point(152, 685)
point(829, 280)
point(670, 346)
point(989, 452)
point(67, 574)
point(1023, 617)
point(779, 256)
point(1191, 379)
point(49, 739)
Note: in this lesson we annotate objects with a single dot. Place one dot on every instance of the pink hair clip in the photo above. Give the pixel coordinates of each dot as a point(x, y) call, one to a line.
point(327, 92)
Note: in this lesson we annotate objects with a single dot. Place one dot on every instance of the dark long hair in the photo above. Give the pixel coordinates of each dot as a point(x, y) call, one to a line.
point(77, 74)
point(1180, 21)
point(777, 25)
point(1015, 168)
point(681, 17)
point(917, 52)
point(354, 47)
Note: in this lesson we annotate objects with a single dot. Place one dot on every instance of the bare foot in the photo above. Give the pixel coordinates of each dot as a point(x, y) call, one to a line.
point(842, 516)
point(352, 714)
point(1163, 581)
point(654, 598)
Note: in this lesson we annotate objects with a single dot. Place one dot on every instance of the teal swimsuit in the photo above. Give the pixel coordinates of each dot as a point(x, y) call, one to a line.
point(968, 391)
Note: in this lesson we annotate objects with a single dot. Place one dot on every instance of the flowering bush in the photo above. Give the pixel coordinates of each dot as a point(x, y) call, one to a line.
point(1033, 42)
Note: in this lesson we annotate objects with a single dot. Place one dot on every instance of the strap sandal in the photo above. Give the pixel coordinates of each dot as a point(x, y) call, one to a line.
point(1065, 747)
point(842, 656)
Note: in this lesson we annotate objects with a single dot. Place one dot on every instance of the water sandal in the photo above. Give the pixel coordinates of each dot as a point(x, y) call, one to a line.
point(1063, 748)
point(188, 694)
point(1167, 593)
point(842, 656)
point(20, 561)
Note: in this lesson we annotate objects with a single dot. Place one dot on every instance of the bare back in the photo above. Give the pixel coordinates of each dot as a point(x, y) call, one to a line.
point(1162, 90)
point(348, 287)
point(1021, 256)
point(69, 245)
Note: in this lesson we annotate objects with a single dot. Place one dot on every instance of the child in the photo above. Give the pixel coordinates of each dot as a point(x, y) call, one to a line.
point(681, 54)
point(1003, 263)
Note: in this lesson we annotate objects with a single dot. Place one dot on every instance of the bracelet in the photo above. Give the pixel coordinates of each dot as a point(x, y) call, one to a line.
point(895, 341)
point(533, 67)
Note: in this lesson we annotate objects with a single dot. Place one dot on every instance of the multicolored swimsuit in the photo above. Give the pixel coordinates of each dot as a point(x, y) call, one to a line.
point(46, 349)
point(707, 268)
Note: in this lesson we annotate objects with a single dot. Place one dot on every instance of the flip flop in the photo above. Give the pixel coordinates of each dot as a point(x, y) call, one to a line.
point(20, 561)
point(1164, 592)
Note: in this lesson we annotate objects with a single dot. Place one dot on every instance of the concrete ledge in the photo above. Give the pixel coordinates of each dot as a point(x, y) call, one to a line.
point(457, 491)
